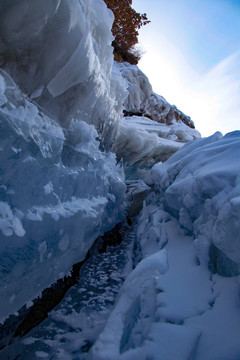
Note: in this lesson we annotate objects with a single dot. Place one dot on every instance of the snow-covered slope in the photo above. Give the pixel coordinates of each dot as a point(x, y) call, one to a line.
point(182, 299)
point(201, 186)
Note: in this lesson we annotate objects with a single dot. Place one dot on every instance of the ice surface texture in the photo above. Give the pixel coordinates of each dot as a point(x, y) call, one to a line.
point(58, 191)
point(59, 53)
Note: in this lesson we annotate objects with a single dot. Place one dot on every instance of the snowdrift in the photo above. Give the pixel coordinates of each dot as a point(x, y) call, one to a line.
point(182, 299)
point(201, 186)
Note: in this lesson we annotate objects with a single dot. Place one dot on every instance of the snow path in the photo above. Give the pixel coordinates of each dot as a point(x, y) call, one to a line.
point(172, 307)
point(73, 326)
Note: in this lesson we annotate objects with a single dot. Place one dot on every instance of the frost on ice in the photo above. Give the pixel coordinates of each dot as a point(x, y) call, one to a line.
point(58, 191)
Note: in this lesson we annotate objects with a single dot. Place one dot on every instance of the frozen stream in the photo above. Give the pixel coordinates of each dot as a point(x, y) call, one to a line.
point(72, 327)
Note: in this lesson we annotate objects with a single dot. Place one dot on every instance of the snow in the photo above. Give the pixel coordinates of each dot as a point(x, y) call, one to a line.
point(116, 335)
point(201, 184)
point(185, 303)
point(171, 306)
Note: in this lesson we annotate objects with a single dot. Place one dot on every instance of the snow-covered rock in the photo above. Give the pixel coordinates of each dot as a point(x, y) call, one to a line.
point(152, 130)
point(58, 191)
point(143, 101)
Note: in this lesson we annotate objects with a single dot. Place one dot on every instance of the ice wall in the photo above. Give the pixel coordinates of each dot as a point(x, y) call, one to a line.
point(59, 53)
point(60, 102)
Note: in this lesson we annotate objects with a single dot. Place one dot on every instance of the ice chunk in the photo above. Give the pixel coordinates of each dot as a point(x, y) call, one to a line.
point(9, 223)
point(58, 193)
point(138, 144)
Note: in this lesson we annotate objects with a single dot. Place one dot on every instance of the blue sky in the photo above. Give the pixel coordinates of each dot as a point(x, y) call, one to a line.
point(192, 58)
